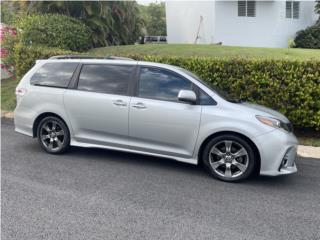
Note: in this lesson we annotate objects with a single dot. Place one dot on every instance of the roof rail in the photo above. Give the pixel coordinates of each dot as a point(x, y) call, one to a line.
point(118, 58)
point(70, 57)
point(89, 57)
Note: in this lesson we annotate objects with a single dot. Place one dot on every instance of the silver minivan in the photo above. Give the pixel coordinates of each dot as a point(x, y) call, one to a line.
point(151, 108)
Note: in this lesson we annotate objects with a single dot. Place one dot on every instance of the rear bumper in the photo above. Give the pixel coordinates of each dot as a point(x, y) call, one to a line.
point(278, 152)
point(23, 124)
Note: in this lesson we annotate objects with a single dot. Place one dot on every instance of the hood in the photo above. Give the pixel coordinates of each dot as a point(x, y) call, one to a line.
point(266, 110)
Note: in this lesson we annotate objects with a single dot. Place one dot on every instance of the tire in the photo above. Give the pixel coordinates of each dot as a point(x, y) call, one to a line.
point(53, 135)
point(229, 158)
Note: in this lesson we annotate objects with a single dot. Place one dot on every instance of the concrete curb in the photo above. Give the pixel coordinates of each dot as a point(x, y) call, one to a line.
point(8, 115)
point(303, 151)
point(309, 151)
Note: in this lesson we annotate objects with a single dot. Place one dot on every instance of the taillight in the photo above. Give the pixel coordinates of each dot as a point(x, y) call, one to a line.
point(21, 91)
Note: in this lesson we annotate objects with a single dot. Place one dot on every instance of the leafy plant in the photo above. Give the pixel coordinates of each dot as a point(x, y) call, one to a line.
point(154, 16)
point(110, 22)
point(8, 38)
point(309, 38)
point(291, 43)
point(54, 30)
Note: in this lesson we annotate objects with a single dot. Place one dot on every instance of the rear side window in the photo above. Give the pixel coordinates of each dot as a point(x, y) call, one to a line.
point(54, 74)
point(161, 84)
point(103, 78)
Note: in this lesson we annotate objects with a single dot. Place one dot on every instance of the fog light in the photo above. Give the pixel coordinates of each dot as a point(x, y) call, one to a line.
point(284, 161)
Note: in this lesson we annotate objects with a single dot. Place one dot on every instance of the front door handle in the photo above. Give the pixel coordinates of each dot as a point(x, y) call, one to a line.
point(139, 105)
point(119, 103)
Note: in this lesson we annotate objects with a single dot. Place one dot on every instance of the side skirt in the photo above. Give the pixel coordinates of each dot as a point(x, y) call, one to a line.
point(89, 145)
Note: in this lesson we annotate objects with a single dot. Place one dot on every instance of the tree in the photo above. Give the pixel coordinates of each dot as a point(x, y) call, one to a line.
point(127, 23)
point(111, 22)
point(154, 16)
point(309, 37)
point(96, 15)
point(12, 10)
point(317, 8)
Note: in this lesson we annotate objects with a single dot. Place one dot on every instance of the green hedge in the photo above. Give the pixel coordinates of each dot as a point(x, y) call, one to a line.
point(54, 30)
point(25, 56)
point(291, 87)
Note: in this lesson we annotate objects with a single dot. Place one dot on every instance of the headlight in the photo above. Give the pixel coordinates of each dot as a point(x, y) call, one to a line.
point(276, 123)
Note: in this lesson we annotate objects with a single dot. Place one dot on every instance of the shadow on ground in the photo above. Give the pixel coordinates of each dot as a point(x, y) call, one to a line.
point(137, 160)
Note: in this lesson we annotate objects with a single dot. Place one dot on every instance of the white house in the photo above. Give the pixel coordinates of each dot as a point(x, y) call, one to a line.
point(238, 23)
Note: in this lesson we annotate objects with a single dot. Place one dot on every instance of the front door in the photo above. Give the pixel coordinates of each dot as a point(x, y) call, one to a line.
point(158, 122)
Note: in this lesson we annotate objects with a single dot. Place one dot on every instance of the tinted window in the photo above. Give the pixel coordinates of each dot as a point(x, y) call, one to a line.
point(105, 78)
point(205, 99)
point(54, 74)
point(161, 84)
point(217, 91)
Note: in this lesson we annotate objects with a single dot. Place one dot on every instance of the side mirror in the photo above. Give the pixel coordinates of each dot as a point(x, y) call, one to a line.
point(187, 96)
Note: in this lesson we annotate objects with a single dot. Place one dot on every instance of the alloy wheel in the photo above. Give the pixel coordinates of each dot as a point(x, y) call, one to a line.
point(228, 159)
point(52, 135)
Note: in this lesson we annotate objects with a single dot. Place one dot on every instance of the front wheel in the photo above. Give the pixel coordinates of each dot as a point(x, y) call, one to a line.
point(229, 158)
point(53, 135)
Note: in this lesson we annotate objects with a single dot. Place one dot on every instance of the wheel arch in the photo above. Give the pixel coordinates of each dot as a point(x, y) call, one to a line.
point(246, 138)
point(42, 116)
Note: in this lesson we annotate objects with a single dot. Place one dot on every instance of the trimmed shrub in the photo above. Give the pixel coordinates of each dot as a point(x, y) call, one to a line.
point(25, 56)
point(291, 87)
point(309, 38)
point(55, 30)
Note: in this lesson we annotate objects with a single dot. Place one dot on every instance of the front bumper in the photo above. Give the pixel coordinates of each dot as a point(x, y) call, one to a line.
point(278, 152)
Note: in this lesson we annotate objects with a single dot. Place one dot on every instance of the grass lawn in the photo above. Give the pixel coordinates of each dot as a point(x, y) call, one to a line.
point(308, 137)
point(309, 141)
point(208, 51)
point(8, 98)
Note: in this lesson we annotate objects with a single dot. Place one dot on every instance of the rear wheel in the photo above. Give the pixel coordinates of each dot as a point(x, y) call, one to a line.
point(53, 135)
point(229, 158)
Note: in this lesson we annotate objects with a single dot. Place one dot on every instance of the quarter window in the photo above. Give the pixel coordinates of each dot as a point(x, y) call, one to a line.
point(54, 74)
point(246, 8)
point(292, 9)
point(161, 84)
point(102, 78)
point(205, 99)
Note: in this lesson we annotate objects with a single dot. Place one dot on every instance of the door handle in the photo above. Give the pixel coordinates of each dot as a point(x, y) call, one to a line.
point(119, 103)
point(139, 105)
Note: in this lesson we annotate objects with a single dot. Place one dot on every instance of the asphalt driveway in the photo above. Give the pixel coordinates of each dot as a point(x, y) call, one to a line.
point(99, 194)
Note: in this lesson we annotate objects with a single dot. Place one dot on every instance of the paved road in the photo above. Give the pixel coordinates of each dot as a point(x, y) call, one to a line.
point(98, 194)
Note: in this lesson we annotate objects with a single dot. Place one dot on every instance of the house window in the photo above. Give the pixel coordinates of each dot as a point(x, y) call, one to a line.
point(246, 8)
point(292, 9)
